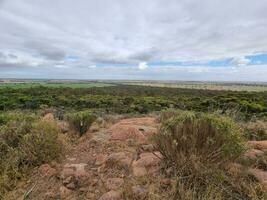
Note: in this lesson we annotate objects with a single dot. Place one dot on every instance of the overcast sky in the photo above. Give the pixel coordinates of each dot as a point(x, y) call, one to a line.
point(215, 40)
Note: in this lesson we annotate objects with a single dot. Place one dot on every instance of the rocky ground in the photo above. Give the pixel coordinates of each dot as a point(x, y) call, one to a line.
point(113, 163)
point(110, 164)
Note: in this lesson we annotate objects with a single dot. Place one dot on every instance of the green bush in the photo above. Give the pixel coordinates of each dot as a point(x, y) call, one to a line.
point(200, 147)
point(210, 137)
point(80, 121)
point(23, 145)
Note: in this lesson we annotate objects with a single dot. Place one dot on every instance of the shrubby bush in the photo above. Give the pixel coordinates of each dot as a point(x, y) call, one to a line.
point(24, 144)
point(256, 130)
point(80, 121)
point(7, 117)
point(199, 147)
point(210, 137)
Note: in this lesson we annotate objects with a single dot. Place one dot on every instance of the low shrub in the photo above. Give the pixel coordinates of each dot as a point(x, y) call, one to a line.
point(199, 147)
point(256, 130)
point(23, 145)
point(80, 121)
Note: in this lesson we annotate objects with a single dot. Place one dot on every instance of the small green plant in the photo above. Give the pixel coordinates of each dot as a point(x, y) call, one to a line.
point(81, 121)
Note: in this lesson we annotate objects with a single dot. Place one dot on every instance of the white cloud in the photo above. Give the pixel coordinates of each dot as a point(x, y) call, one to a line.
point(142, 65)
point(240, 61)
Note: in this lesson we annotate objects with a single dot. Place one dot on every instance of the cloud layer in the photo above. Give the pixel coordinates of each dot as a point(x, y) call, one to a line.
point(125, 39)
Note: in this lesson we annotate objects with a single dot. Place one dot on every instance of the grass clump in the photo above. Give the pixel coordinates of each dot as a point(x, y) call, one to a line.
point(200, 147)
point(80, 121)
point(26, 144)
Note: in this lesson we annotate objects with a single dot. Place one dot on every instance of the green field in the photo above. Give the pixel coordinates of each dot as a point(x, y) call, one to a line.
point(204, 86)
point(52, 85)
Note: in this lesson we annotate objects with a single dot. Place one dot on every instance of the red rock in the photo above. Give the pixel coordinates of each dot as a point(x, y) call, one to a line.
point(90, 196)
point(165, 181)
point(253, 154)
point(63, 126)
point(111, 195)
point(258, 144)
point(259, 174)
point(100, 159)
point(64, 192)
point(49, 117)
point(114, 183)
point(67, 172)
point(148, 160)
point(135, 128)
point(139, 171)
point(71, 186)
point(148, 147)
point(47, 170)
point(119, 158)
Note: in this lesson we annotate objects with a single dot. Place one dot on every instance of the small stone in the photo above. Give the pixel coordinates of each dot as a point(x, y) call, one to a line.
point(90, 195)
point(94, 182)
point(49, 117)
point(94, 127)
point(139, 192)
point(63, 126)
point(120, 159)
point(114, 183)
point(100, 159)
point(83, 189)
point(67, 180)
point(64, 192)
point(139, 171)
point(71, 186)
point(47, 170)
point(165, 181)
point(111, 195)
point(148, 147)
point(67, 172)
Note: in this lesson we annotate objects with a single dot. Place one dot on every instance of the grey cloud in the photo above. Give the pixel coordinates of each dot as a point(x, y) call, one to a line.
point(126, 31)
point(45, 49)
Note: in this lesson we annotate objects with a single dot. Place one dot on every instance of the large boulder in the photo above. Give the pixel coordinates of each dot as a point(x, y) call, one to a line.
point(135, 128)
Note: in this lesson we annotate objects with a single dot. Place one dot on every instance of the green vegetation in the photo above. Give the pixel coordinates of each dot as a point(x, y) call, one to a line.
point(200, 147)
point(24, 144)
point(204, 85)
point(134, 99)
point(199, 138)
point(80, 121)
